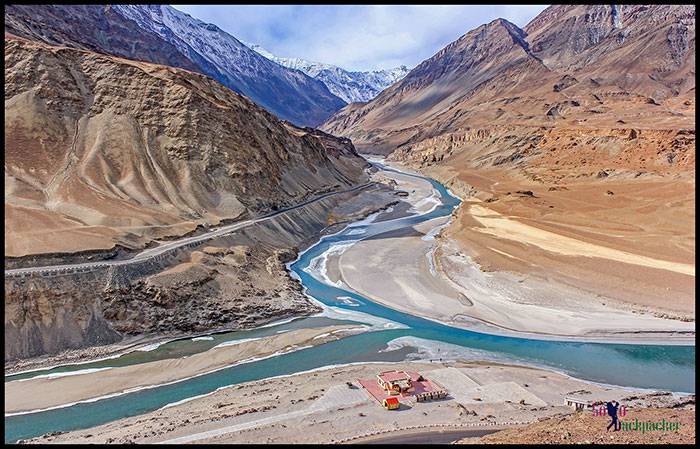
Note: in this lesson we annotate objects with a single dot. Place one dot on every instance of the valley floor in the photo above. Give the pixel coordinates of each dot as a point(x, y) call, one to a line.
point(450, 281)
point(627, 240)
point(417, 271)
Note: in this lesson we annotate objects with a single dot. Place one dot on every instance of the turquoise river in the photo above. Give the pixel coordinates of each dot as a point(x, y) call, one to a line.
point(659, 367)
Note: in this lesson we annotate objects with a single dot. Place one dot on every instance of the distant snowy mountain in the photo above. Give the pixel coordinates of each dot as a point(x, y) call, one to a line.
point(289, 94)
point(350, 86)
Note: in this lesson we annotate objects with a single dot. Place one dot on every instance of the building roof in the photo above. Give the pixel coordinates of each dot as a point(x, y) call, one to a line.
point(392, 400)
point(393, 376)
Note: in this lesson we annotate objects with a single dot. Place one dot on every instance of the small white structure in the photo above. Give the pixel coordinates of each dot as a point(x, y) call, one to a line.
point(578, 404)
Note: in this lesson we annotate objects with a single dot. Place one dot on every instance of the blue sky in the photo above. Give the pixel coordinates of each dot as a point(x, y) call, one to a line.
point(356, 37)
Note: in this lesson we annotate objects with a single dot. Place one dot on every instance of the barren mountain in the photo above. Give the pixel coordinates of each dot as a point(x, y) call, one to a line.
point(572, 66)
point(101, 150)
point(649, 50)
point(582, 124)
point(163, 35)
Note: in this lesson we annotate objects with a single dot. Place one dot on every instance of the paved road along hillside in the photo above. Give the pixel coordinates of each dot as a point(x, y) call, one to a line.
point(165, 247)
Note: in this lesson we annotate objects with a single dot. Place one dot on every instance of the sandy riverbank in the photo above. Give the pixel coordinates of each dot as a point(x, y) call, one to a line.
point(434, 278)
point(47, 392)
point(626, 239)
point(320, 407)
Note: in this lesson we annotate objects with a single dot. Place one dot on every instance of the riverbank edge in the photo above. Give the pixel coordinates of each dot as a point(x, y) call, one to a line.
point(651, 338)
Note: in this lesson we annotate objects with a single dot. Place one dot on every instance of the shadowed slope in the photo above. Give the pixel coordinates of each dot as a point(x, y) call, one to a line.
point(100, 150)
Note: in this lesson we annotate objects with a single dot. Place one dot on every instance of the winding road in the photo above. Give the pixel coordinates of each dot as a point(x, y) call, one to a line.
point(165, 247)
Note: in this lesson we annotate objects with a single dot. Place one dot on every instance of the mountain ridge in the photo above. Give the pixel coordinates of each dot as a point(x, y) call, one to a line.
point(499, 74)
point(351, 86)
point(167, 36)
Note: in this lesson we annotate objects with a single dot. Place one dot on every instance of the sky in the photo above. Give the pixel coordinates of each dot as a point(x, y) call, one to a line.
point(356, 37)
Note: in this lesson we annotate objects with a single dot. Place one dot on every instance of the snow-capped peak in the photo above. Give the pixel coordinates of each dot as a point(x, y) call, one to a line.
point(290, 94)
point(350, 86)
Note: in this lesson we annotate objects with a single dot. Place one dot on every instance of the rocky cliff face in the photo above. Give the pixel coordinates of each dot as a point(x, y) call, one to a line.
point(646, 49)
point(558, 155)
point(101, 150)
point(164, 35)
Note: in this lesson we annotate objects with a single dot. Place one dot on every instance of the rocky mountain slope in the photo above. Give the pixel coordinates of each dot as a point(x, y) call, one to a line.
point(164, 35)
point(101, 150)
point(575, 67)
point(352, 87)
